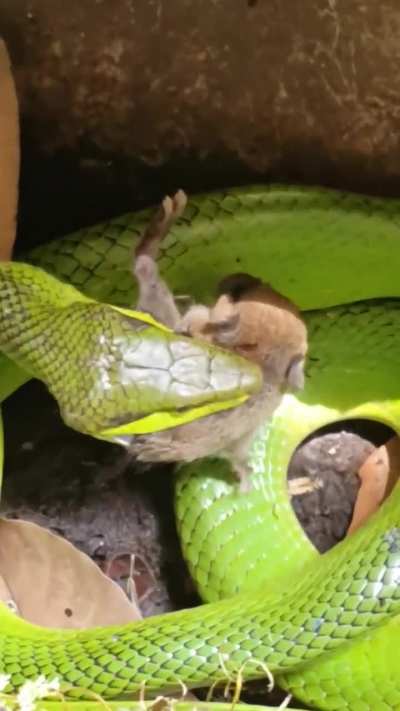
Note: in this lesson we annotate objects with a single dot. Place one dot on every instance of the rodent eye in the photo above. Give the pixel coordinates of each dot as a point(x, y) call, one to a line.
point(248, 346)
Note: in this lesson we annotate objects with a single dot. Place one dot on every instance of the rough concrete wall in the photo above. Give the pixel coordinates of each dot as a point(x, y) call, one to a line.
point(123, 100)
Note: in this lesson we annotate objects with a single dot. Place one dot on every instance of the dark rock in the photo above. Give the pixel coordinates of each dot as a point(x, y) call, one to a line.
point(325, 468)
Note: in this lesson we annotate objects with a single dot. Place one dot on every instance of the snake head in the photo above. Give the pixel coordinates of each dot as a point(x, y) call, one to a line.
point(135, 376)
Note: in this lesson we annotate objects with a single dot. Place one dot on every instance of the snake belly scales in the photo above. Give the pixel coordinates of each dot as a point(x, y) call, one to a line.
point(324, 626)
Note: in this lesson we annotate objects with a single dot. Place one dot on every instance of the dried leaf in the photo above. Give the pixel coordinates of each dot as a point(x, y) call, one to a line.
point(55, 585)
point(378, 475)
point(9, 155)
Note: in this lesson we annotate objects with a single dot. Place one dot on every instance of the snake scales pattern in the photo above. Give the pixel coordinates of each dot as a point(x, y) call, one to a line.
point(325, 626)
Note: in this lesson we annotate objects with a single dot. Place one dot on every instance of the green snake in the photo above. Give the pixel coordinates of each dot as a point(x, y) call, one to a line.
point(324, 626)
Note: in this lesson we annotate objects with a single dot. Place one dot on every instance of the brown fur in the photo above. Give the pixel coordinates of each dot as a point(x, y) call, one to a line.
point(250, 318)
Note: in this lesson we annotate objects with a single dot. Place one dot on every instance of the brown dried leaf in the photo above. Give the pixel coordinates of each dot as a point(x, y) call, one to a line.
point(9, 155)
point(55, 585)
point(378, 475)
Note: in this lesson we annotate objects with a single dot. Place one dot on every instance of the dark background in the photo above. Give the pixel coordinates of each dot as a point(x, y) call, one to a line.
point(124, 101)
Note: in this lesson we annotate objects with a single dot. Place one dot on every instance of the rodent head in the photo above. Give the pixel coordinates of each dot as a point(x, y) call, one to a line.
point(256, 322)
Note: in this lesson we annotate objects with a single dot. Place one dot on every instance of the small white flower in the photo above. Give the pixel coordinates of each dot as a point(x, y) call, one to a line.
point(33, 690)
point(4, 679)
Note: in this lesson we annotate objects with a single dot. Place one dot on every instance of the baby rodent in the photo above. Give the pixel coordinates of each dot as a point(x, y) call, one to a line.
point(249, 318)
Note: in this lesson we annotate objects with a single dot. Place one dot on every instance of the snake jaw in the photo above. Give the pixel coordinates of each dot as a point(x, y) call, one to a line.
point(159, 421)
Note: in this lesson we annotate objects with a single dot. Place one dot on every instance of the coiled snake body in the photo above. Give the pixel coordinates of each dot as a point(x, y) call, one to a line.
point(325, 626)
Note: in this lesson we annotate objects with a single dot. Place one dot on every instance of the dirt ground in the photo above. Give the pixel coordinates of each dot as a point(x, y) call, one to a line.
point(84, 490)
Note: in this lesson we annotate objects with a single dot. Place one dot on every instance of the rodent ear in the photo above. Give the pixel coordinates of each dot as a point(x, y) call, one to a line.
point(295, 373)
point(237, 284)
point(226, 331)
